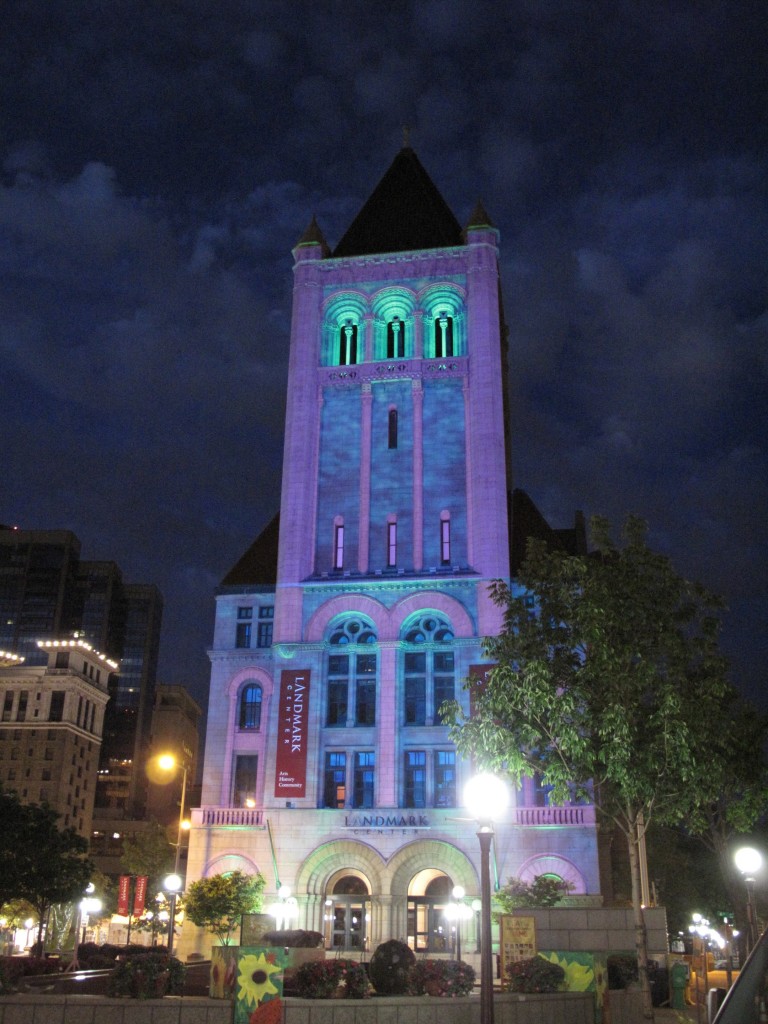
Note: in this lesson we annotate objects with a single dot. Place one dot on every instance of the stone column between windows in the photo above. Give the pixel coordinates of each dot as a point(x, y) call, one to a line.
point(381, 920)
point(418, 334)
point(367, 346)
point(467, 470)
point(386, 728)
point(418, 475)
point(365, 478)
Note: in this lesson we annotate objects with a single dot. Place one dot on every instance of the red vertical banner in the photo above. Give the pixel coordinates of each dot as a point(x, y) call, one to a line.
point(140, 897)
point(479, 676)
point(123, 895)
point(293, 721)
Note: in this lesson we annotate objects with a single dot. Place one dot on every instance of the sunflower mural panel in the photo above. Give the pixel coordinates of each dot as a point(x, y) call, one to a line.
point(584, 972)
point(259, 980)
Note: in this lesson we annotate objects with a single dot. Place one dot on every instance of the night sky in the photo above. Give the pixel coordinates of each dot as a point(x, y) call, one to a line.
point(160, 160)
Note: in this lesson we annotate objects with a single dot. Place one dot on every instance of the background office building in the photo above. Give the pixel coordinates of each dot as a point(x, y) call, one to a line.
point(48, 592)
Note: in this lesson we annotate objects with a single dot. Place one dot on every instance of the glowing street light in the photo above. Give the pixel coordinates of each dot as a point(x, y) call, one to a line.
point(486, 797)
point(172, 884)
point(749, 861)
point(168, 762)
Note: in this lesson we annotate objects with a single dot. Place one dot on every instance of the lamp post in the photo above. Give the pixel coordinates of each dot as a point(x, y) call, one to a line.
point(749, 861)
point(168, 762)
point(172, 884)
point(486, 797)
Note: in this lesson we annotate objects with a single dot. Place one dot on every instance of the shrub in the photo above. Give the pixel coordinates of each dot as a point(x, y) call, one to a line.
point(622, 970)
point(319, 979)
point(141, 976)
point(441, 978)
point(390, 966)
point(535, 975)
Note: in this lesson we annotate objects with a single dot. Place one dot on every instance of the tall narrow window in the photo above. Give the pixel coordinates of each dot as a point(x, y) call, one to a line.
point(250, 707)
point(443, 687)
point(57, 706)
point(335, 781)
point(264, 629)
point(443, 336)
point(338, 546)
point(445, 778)
point(392, 429)
point(244, 780)
point(445, 540)
point(415, 779)
point(395, 339)
point(415, 689)
point(21, 711)
point(348, 344)
point(338, 689)
point(391, 544)
point(243, 634)
point(365, 777)
point(365, 690)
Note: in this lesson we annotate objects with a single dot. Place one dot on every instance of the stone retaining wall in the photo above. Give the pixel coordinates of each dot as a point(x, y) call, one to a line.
point(558, 1008)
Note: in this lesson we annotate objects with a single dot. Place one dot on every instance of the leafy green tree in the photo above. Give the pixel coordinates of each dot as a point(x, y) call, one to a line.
point(149, 853)
point(543, 891)
point(217, 903)
point(41, 863)
point(598, 686)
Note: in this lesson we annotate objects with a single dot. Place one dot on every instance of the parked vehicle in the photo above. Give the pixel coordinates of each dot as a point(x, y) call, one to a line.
point(747, 1001)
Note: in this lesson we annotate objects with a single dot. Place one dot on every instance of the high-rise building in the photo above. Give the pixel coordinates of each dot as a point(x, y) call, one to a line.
point(50, 732)
point(327, 765)
point(48, 592)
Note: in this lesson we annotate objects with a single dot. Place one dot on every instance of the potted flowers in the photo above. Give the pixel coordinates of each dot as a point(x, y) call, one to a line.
point(441, 978)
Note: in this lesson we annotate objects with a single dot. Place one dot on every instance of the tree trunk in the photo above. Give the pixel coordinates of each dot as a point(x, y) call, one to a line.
point(641, 939)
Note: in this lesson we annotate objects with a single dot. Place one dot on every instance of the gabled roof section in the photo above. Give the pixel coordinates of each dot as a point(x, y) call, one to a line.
point(258, 566)
point(405, 212)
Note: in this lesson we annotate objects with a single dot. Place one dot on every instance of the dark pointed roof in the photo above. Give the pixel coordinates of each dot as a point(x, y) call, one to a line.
point(405, 212)
point(258, 566)
point(314, 236)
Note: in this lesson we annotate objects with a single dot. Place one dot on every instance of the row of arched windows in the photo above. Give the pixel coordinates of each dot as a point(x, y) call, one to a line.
point(396, 323)
point(395, 342)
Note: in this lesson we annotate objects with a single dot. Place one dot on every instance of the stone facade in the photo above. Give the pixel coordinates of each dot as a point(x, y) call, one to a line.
point(327, 767)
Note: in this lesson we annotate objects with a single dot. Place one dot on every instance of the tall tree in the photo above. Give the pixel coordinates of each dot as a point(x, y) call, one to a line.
point(217, 903)
point(41, 863)
point(603, 663)
point(733, 791)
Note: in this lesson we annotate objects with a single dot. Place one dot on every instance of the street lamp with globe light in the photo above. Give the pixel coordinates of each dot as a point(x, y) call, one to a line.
point(168, 762)
point(172, 884)
point(486, 798)
point(749, 861)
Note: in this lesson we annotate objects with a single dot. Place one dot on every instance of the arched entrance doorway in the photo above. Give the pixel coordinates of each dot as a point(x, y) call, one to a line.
point(429, 929)
point(347, 911)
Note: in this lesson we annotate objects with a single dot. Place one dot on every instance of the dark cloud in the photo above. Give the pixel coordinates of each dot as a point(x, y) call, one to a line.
point(159, 161)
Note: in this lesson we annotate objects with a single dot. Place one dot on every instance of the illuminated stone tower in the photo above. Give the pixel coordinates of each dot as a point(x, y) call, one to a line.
point(327, 767)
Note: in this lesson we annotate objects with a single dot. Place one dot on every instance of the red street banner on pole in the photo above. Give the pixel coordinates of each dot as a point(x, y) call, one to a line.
point(291, 767)
point(123, 895)
point(141, 895)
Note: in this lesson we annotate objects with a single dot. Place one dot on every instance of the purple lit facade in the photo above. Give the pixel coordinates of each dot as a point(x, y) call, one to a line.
point(326, 766)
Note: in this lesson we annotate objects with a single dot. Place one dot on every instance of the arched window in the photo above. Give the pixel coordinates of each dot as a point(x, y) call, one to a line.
point(443, 335)
point(348, 344)
point(351, 675)
point(250, 707)
point(395, 338)
point(429, 673)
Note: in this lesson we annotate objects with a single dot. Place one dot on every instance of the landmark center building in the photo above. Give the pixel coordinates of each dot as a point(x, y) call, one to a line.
point(364, 605)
